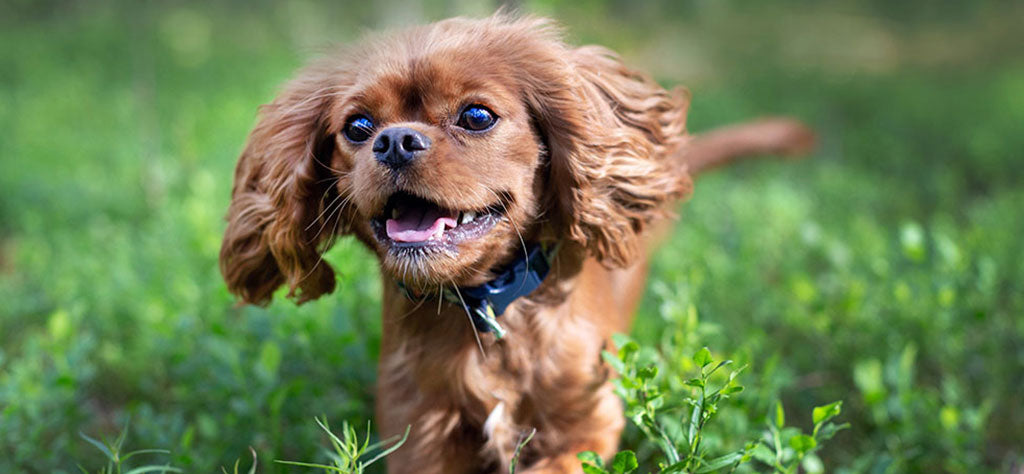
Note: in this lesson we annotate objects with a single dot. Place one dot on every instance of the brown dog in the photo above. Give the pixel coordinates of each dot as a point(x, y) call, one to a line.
point(472, 156)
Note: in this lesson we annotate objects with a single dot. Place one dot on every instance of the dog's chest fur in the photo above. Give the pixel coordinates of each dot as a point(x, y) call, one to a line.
point(546, 374)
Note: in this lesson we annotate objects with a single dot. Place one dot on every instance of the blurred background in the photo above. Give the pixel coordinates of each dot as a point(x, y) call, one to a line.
point(885, 271)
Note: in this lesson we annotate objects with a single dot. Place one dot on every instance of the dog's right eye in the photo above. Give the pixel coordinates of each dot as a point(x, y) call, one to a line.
point(358, 128)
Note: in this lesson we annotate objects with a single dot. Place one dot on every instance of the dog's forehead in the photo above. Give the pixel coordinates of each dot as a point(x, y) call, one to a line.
point(433, 81)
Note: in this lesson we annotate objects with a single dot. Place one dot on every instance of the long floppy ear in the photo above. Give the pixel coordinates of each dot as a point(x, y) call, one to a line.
point(277, 229)
point(611, 133)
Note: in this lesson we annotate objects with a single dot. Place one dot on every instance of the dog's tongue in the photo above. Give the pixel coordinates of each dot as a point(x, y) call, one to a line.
point(418, 224)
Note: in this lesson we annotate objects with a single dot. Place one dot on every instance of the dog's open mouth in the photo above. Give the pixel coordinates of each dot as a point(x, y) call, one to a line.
point(411, 221)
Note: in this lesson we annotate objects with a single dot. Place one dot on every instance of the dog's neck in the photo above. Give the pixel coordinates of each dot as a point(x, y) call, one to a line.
point(485, 303)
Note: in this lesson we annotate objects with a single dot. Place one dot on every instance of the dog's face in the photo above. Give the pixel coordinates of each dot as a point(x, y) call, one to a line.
point(439, 160)
point(443, 148)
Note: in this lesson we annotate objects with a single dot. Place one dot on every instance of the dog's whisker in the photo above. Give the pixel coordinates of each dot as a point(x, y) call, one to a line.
point(440, 298)
point(312, 156)
point(322, 213)
point(334, 232)
point(320, 258)
point(336, 177)
point(339, 173)
point(469, 317)
point(414, 308)
point(331, 216)
point(522, 242)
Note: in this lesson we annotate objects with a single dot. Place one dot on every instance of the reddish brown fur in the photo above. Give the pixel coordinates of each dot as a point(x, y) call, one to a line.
point(587, 154)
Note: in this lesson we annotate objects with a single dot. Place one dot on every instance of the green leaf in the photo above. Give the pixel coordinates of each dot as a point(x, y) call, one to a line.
point(719, 366)
point(102, 447)
point(647, 373)
point(675, 468)
point(802, 443)
point(624, 462)
point(125, 457)
point(590, 457)
point(252, 469)
point(812, 464)
point(620, 340)
point(720, 462)
point(613, 361)
point(702, 357)
point(390, 449)
point(691, 434)
point(733, 389)
point(592, 469)
point(764, 454)
point(695, 383)
point(829, 430)
point(146, 469)
point(735, 373)
point(309, 464)
point(780, 414)
point(628, 351)
point(827, 412)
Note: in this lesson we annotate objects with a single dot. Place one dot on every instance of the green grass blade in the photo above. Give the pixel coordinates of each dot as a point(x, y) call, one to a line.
point(392, 448)
point(144, 451)
point(145, 469)
point(99, 445)
point(314, 465)
point(519, 449)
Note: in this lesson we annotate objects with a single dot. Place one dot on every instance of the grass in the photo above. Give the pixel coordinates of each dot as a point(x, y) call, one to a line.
point(883, 272)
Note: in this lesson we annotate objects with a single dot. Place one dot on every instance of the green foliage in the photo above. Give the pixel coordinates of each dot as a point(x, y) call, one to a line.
point(676, 421)
point(118, 460)
point(786, 450)
point(883, 272)
point(624, 462)
point(238, 462)
point(348, 453)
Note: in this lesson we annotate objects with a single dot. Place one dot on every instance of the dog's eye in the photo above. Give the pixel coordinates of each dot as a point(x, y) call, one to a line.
point(358, 128)
point(476, 118)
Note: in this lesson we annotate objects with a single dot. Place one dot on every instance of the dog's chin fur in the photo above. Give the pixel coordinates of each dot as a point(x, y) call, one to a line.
point(584, 154)
point(467, 264)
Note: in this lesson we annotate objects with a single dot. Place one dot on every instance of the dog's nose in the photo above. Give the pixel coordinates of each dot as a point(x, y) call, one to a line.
point(398, 146)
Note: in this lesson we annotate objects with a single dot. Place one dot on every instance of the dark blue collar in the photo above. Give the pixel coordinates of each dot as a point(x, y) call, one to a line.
point(486, 302)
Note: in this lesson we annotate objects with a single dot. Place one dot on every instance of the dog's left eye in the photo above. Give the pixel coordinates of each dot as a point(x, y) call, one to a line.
point(476, 118)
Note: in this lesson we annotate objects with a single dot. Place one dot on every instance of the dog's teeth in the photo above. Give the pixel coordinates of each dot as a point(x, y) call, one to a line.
point(467, 217)
point(394, 213)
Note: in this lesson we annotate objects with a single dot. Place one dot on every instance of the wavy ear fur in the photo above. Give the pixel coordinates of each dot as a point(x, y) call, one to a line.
point(276, 229)
point(610, 133)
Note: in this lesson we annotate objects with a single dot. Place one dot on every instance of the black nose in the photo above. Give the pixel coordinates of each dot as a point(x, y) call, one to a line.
point(398, 146)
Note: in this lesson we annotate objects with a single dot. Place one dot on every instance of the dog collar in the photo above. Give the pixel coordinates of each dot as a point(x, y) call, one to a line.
point(486, 302)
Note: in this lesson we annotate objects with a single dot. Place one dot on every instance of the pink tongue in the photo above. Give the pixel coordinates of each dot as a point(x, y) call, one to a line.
point(415, 225)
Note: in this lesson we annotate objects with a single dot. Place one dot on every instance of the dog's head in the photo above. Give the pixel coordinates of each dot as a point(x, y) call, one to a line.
point(443, 148)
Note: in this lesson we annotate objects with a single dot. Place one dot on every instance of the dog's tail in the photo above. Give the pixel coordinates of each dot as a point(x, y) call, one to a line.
point(777, 136)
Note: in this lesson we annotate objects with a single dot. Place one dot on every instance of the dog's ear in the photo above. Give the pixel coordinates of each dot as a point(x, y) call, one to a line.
point(277, 229)
point(610, 133)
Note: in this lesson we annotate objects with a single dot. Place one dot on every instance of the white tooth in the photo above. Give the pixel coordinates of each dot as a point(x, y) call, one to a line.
point(438, 234)
point(468, 216)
